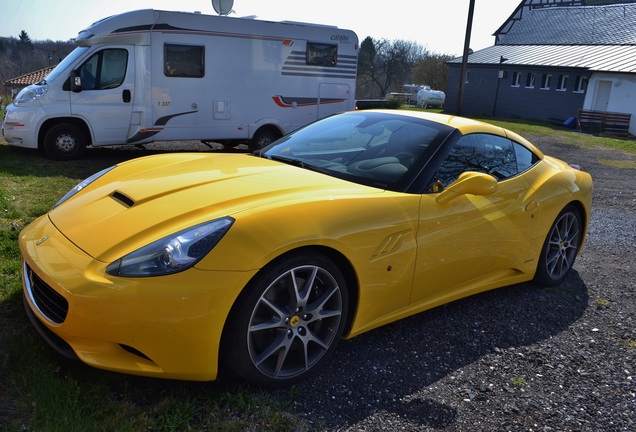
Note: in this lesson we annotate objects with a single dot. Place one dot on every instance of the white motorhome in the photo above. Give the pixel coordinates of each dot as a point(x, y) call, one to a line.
point(151, 75)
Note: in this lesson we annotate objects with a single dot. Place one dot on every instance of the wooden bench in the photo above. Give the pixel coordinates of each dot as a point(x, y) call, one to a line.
point(603, 122)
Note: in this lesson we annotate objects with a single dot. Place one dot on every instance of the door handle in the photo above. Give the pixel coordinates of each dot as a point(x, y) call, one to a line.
point(126, 96)
point(532, 206)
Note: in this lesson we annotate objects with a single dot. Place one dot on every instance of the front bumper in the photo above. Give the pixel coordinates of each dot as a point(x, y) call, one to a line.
point(20, 125)
point(167, 326)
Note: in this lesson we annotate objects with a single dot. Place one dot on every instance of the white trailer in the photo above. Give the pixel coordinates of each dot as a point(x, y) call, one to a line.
point(152, 75)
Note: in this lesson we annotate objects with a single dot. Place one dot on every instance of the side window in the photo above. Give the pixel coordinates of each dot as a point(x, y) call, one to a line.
point(525, 158)
point(104, 70)
point(321, 54)
point(183, 61)
point(490, 154)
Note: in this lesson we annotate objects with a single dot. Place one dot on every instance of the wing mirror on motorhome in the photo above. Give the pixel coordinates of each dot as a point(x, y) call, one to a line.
point(76, 82)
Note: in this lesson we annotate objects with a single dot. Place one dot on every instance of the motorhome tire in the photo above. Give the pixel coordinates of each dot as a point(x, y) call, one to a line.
point(64, 142)
point(262, 138)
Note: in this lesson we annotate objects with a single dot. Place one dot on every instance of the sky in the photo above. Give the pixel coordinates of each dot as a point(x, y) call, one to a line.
point(439, 26)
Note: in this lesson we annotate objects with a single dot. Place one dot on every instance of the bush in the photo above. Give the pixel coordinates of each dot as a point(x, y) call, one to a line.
point(393, 103)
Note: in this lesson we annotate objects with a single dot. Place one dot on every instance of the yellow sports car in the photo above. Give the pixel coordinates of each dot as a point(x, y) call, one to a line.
point(186, 265)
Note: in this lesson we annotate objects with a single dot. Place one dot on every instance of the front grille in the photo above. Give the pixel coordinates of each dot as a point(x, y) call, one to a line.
point(51, 304)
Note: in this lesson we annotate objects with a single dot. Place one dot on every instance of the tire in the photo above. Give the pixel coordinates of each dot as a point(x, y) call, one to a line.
point(560, 248)
point(65, 142)
point(262, 138)
point(288, 322)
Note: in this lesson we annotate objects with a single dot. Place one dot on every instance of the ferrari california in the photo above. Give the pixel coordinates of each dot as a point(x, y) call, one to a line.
point(191, 265)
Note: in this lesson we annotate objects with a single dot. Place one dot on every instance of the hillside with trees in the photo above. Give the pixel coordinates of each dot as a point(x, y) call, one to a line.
point(20, 55)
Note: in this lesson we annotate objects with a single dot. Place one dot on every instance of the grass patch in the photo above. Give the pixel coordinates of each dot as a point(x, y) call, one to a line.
point(620, 163)
point(39, 390)
point(518, 382)
point(603, 303)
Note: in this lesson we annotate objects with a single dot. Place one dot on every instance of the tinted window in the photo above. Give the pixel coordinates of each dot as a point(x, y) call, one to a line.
point(525, 158)
point(104, 70)
point(183, 61)
point(322, 54)
point(490, 154)
point(378, 149)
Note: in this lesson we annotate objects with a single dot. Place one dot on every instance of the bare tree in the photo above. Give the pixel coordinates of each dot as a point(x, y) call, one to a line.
point(432, 70)
point(383, 64)
point(367, 61)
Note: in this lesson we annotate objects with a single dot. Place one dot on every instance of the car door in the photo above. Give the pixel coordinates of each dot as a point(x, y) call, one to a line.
point(474, 238)
point(104, 97)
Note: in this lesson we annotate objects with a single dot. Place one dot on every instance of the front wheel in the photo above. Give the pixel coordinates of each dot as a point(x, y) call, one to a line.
point(64, 142)
point(560, 248)
point(288, 322)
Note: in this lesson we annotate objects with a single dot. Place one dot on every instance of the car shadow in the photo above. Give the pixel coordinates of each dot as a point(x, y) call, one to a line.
point(389, 371)
point(393, 372)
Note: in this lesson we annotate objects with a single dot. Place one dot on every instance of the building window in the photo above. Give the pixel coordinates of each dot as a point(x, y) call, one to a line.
point(516, 79)
point(530, 80)
point(563, 83)
point(580, 85)
point(546, 81)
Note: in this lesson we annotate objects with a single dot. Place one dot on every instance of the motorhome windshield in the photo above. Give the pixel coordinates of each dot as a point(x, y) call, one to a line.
point(64, 64)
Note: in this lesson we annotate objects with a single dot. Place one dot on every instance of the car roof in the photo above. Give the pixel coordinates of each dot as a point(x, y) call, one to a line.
point(466, 125)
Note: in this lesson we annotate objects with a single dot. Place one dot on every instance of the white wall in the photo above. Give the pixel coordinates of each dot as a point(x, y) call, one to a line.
point(612, 92)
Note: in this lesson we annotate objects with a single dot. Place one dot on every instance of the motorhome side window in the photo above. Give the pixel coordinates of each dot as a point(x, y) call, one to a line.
point(183, 61)
point(322, 54)
point(104, 70)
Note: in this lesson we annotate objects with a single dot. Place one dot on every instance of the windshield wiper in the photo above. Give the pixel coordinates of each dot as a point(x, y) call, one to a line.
point(301, 164)
point(287, 160)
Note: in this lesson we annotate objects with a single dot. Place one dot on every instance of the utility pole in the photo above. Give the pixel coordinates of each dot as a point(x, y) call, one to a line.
point(462, 75)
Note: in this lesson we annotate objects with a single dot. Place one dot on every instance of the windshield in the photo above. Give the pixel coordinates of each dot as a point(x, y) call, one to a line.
point(373, 148)
point(62, 67)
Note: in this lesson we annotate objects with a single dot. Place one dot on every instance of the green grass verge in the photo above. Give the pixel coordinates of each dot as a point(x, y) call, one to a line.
point(41, 391)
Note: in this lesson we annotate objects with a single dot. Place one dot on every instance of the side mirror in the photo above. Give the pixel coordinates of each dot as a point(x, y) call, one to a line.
point(469, 182)
point(76, 82)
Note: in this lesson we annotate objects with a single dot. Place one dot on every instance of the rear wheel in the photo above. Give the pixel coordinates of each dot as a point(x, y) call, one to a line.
point(263, 137)
point(560, 247)
point(64, 142)
point(289, 321)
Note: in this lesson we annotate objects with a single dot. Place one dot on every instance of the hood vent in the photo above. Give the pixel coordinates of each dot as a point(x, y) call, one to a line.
point(123, 199)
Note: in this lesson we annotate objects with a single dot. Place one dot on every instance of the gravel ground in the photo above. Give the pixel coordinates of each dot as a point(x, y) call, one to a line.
point(521, 358)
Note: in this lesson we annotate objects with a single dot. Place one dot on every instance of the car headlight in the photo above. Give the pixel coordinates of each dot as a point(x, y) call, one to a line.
point(31, 93)
point(81, 185)
point(174, 253)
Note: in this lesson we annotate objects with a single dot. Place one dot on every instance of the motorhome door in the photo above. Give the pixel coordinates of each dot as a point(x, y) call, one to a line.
point(102, 93)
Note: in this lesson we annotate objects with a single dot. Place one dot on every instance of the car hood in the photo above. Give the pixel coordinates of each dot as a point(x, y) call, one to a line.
point(149, 198)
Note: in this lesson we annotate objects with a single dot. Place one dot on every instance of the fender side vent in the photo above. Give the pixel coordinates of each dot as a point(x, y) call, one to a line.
point(123, 199)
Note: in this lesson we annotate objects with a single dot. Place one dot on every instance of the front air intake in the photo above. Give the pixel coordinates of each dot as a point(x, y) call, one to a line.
point(48, 302)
